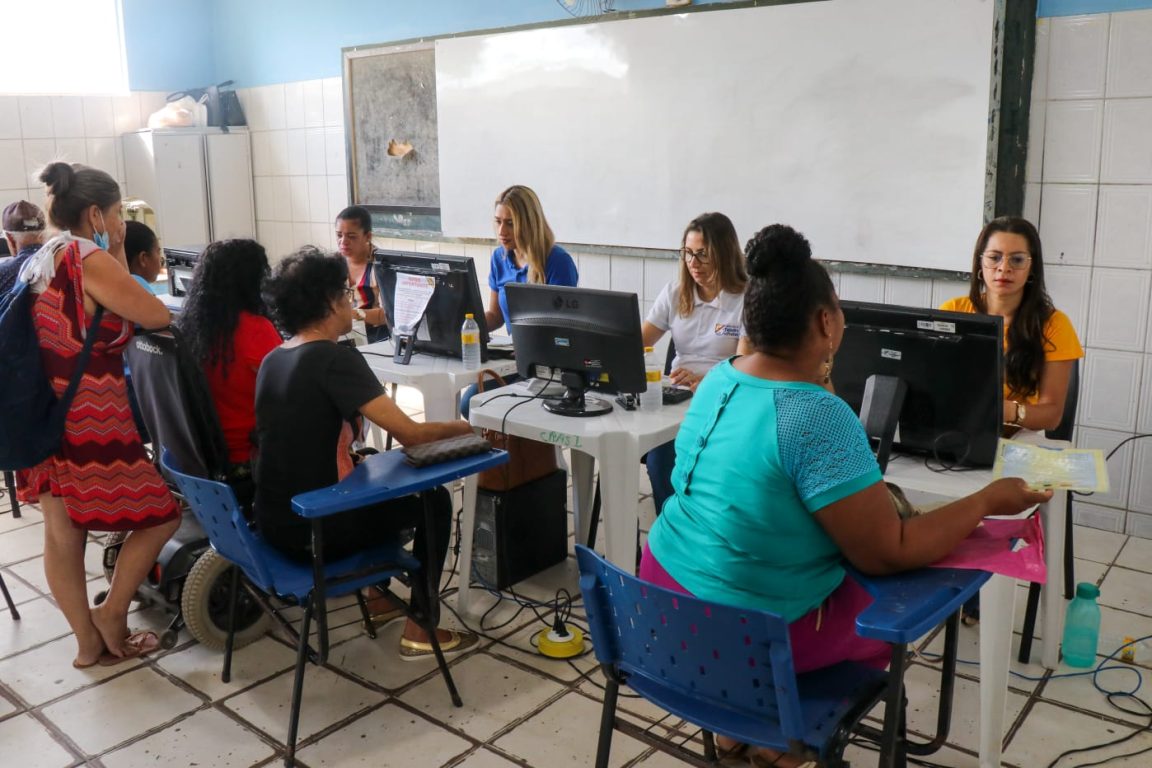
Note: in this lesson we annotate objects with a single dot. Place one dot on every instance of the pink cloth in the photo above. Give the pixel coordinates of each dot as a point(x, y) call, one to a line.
point(991, 548)
point(821, 637)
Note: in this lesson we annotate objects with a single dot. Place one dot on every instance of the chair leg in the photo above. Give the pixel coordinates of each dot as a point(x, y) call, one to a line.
point(1028, 631)
point(709, 746)
point(388, 440)
point(298, 685)
point(10, 485)
point(607, 723)
point(1069, 552)
point(229, 642)
point(369, 627)
point(8, 599)
point(891, 743)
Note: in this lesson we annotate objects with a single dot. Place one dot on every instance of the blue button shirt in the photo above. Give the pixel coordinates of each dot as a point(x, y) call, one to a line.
point(559, 269)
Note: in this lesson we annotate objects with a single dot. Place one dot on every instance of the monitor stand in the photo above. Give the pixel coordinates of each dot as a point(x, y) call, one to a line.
point(880, 413)
point(405, 344)
point(575, 402)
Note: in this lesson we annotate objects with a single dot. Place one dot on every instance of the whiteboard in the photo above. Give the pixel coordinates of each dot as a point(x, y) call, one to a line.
point(862, 123)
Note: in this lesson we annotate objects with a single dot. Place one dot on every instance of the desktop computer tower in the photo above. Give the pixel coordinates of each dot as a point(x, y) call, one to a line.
point(521, 531)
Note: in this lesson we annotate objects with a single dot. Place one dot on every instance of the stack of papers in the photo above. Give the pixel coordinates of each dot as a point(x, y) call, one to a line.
point(1070, 469)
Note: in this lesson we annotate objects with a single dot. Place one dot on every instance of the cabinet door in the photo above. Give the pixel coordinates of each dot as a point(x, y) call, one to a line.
point(230, 185)
point(182, 207)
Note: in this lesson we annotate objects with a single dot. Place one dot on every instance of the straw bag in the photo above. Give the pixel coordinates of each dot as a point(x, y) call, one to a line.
point(528, 460)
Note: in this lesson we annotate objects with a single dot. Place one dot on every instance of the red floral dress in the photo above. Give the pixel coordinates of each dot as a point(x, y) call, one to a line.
point(101, 472)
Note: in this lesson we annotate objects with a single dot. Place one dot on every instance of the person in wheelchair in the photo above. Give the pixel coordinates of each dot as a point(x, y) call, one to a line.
point(227, 331)
point(776, 484)
point(312, 395)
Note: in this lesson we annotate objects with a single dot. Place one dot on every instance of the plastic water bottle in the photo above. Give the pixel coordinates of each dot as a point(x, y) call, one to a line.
point(470, 343)
point(1082, 627)
point(653, 398)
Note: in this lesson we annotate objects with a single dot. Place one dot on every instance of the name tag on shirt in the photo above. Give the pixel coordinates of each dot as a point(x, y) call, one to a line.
point(725, 329)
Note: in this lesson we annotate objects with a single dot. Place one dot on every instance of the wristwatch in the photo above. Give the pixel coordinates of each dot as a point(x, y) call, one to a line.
point(1021, 414)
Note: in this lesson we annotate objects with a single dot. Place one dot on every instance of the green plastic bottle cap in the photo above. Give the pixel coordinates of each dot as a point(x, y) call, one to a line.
point(1087, 591)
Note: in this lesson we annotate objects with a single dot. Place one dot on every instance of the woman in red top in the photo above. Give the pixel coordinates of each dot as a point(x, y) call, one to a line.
point(226, 328)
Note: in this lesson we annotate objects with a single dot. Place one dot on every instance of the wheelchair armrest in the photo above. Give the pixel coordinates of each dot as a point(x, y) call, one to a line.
point(385, 476)
point(909, 605)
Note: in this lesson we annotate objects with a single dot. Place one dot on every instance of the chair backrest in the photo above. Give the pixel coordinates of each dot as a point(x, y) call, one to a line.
point(219, 513)
point(668, 358)
point(1067, 423)
point(176, 404)
point(734, 659)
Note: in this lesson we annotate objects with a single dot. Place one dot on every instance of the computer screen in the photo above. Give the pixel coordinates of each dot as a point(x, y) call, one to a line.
point(951, 366)
point(591, 337)
point(456, 294)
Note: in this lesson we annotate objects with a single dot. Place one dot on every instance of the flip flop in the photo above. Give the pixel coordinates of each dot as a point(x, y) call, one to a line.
point(414, 650)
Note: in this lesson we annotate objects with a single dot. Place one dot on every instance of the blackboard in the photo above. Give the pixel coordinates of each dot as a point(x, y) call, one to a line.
point(392, 99)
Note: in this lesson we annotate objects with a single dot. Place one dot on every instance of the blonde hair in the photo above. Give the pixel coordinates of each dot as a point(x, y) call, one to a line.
point(530, 231)
point(723, 248)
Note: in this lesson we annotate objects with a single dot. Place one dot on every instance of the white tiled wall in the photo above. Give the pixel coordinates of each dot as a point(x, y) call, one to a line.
point(1091, 143)
point(35, 130)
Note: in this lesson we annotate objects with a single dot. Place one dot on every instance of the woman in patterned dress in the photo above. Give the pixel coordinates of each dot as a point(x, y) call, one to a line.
point(101, 479)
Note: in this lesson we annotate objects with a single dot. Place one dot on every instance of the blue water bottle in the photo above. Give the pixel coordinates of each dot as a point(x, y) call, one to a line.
point(1082, 627)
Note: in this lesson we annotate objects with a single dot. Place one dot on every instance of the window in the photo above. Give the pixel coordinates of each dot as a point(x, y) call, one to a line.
point(63, 46)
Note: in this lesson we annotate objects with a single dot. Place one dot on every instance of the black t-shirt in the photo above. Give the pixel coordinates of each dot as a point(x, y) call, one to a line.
point(304, 395)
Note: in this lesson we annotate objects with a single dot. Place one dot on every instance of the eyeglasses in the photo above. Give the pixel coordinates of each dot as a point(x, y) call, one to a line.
point(700, 256)
point(349, 292)
point(993, 259)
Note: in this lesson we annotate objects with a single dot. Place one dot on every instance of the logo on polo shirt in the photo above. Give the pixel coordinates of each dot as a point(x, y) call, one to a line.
point(726, 329)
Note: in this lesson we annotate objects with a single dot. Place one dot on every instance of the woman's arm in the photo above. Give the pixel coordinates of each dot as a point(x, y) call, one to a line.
point(651, 334)
point(1048, 411)
point(494, 316)
point(873, 537)
point(108, 283)
point(383, 412)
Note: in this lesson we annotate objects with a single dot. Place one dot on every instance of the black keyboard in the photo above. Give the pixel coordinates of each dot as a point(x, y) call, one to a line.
point(674, 395)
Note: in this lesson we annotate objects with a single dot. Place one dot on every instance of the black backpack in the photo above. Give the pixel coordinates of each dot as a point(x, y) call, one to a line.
point(31, 416)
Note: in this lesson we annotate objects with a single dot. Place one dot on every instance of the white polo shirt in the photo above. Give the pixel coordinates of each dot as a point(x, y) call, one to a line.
point(708, 335)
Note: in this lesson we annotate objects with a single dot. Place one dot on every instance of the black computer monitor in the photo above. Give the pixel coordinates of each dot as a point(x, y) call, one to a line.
point(456, 294)
point(950, 366)
point(591, 337)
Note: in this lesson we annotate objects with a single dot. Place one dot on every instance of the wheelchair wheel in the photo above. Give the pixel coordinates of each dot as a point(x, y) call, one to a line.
point(204, 605)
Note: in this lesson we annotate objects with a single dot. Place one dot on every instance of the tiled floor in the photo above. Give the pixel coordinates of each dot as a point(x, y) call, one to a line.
point(369, 708)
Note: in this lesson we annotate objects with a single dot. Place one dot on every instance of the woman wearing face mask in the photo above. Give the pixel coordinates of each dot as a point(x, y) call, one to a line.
point(101, 479)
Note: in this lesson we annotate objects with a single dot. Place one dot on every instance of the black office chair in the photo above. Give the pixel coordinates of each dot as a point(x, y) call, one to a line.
point(10, 489)
point(1063, 431)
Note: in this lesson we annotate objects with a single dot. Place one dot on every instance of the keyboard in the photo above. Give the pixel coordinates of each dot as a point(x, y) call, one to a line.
point(674, 395)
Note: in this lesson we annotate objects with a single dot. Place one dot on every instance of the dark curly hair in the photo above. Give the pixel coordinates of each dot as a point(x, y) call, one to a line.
point(1024, 358)
point(227, 281)
point(786, 287)
point(303, 288)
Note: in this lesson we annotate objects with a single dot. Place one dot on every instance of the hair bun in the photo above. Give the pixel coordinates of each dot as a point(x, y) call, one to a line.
point(58, 177)
point(776, 248)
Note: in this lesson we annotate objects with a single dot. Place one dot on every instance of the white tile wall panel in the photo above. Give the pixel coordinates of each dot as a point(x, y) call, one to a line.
point(1034, 163)
point(1041, 60)
point(1119, 308)
point(99, 117)
point(265, 202)
point(1140, 498)
point(101, 154)
point(1068, 223)
point(313, 103)
point(858, 287)
point(317, 152)
point(272, 107)
point(278, 153)
point(1110, 389)
point(281, 199)
point(908, 292)
point(10, 117)
point(298, 199)
point(1144, 422)
point(318, 202)
point(294, 105)
point(297, 147)
point(261, 153)
point(1032, 194)
point(335, 157)
point(67, 117)
point(1130, 55)
point(126, 114)
point(1097, 516)
point(1119, 466)
point(37, 154)
point(628, 274)
point(1072, 132)
point(1126, 156)
point(595, 271)
point(333, 89)
point(1078, 57)
point(337, 195)
point(13, 173)
point(72, 150)
point(36, 117)
point(942, 290)
point(1138, 525)
point(1070, 289)
point(657, 273)
point(1124, 226)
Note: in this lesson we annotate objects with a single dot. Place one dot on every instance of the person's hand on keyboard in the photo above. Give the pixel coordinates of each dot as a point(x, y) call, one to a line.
point(682, 377)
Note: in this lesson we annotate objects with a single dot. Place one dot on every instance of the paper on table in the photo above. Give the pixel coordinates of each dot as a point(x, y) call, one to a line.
point(411, 299)
point(1072, 469)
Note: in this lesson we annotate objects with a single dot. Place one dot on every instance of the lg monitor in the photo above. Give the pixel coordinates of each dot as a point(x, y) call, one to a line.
point(948, 368)
point(591, 337)
point(456, 293)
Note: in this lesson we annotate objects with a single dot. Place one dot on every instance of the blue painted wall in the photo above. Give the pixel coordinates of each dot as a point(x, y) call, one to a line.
point(169, 44)
point(1074, 7)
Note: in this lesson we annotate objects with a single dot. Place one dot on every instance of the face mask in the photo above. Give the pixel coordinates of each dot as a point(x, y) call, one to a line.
point(101, 238)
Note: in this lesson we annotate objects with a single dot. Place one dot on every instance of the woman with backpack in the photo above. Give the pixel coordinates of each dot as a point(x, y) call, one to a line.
point(101, 478)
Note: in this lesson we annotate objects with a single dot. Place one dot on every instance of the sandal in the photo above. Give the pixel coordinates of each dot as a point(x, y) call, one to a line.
point(458, 642)
point(135, 645)
point(381, 620)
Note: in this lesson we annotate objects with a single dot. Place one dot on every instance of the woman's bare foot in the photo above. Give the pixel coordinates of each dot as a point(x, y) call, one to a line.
point(89, 649)
point(113, 629)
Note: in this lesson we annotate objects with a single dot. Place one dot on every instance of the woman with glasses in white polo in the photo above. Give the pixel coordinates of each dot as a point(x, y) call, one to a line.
point(1040, 344)
point(704, 310)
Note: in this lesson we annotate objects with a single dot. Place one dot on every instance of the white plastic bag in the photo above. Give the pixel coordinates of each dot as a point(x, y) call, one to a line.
point(184, 112)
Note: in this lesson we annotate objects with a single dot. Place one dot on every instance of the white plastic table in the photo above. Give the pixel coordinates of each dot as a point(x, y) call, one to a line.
point(998, 596)
point(617, 440)
point(439, 379)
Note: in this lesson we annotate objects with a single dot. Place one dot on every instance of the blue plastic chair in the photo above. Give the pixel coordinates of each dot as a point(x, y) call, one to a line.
point(729, 670)
point(269, 575)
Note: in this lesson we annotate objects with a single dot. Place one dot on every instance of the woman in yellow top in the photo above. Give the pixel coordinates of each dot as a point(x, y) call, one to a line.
point(1040, 344)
